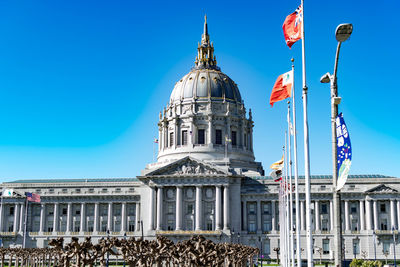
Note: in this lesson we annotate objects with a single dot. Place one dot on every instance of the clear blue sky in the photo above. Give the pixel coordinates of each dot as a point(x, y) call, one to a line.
point(82, 82)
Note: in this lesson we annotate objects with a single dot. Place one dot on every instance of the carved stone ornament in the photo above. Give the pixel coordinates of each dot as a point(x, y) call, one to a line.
point(382, 189)
point(187, 167)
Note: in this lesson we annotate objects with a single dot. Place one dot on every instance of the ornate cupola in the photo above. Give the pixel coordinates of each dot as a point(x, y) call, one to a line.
point(206, 118)
point(205, 51)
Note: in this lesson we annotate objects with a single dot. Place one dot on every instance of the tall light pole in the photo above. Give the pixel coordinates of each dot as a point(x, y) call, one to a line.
point(394, 245)
point(343, 32)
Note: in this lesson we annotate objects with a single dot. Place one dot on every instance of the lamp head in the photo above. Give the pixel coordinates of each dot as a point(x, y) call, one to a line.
point(343, 31)
point(326, 78)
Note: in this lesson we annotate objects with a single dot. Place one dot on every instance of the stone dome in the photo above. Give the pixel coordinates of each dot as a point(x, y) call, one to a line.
point(205, 83)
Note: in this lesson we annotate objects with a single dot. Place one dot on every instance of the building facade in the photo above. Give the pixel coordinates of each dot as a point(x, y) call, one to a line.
point(205, 181)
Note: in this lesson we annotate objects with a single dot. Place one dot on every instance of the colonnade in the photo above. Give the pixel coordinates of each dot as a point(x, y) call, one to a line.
point(19, 216)
point(368, 214)
point(222, 208)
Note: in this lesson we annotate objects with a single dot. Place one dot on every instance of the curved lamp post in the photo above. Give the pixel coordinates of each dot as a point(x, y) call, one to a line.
point(343, 32)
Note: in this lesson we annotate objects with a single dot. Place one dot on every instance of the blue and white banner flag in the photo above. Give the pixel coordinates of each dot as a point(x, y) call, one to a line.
point(343, 151)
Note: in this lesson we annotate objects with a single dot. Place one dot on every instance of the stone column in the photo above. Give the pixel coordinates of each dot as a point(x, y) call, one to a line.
point(151, 213)
point(368, 214)
point(138, 217)
point(160, 141)
point(16, 217)
point(228, 132)
point(1, 215)
point(362, 216)
point(199, 208)
point(302, 217)
point(346, 215)
point(273, 211)
point(210, 131)
point(176, 136)
point(398, 214)
point(69, 217)
point(317, 217)
point(244, 226)
point(96, 217)
point(110, 217)
point(242, 133)
point(178, 219)
point(42, 217)
point(226, 208)
point(332, 216)
point(83, 217)
point(376, 222)
point(392, 214)
point(21, 218)
point(159, 208)
point(123, 217)
point(218, 208)
point(259, 216)
point(55, 218)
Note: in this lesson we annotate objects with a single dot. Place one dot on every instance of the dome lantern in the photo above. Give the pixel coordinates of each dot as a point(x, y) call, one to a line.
point(205, 51)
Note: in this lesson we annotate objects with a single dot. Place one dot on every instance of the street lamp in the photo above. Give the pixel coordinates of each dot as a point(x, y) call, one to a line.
point(261, 251)
point(394, 245)
point(343, 32)
point(108, 240)
point(374, 236)
point(125, 239)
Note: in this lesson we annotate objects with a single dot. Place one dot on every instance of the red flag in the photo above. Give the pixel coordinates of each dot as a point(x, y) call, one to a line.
point(292, 27)
point(282, 88)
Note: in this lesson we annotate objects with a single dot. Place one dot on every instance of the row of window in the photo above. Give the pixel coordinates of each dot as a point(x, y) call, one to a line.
point(201, 138)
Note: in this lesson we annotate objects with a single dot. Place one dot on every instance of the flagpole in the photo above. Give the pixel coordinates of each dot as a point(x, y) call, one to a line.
point(306, 150)
point(287, 239)
point(25, 222)
point(290, 189)
point(296, 185)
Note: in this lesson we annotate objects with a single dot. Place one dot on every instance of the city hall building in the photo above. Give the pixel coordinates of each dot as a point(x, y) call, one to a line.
point(205, 181)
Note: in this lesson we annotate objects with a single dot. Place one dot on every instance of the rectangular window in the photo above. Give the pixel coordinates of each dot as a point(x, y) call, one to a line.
point(324, 225)
point(131, 226)
point(209, 207)
point(90, 226)
point(218, 137)
point(64, 211)
point(353, 209)
point(252, 208)
point(50, 229)
point(76, 228)
point(325, 246)
point(170, 207)
point(131, 209)
point(245, 140)
point(386, 247)
point(267, 247)
point(184, 137)
point(384, 225)
point(383, 208)
point(252, 225)
point(356, 246)
point(233, 137)
point(201, 136)
point(266, 208)
point(77, 212)
point(324, 209)
point(11, 210)
point(190, 208)
point(171, 139)
point(354, 225)
point(209, 225)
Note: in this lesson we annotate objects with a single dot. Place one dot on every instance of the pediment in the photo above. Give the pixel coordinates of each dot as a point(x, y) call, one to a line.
point(190, 167)
point(382, 189)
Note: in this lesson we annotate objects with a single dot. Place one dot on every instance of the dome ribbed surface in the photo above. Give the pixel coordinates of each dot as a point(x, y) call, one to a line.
point(205, 84)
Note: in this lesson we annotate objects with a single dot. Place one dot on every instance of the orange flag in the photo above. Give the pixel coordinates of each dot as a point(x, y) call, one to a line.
point(292, 27)
point(282, 88)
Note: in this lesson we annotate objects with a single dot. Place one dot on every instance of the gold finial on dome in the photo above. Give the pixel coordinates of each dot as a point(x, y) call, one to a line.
point(205, 51)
